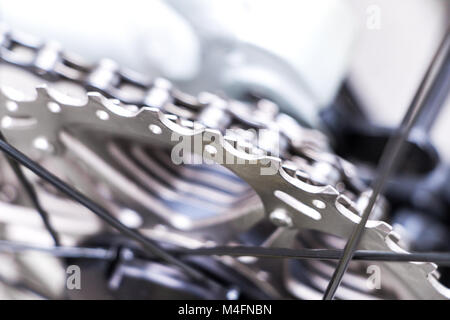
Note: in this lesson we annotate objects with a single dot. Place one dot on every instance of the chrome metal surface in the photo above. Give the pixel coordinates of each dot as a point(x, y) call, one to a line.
point(112, 132)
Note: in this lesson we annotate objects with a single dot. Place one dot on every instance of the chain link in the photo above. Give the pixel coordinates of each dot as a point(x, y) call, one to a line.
point(309, 167)
point(295, 144)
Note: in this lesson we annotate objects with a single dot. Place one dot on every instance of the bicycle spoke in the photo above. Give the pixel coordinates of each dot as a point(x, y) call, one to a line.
point(389, 159)
point(150, 246)
point(238, 251)
point(29, 189)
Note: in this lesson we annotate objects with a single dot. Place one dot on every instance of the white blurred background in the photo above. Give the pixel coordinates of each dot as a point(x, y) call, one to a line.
point(296, 52)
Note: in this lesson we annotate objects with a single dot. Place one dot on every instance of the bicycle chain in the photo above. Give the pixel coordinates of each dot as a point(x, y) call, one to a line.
point(295, 195)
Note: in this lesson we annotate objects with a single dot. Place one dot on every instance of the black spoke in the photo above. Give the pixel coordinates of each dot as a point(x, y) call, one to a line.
point(390, 158)
point(31, 192)
point(442, 258)
point(319, 254)
point(170, 255)
point(420, 115)
point(150, 246)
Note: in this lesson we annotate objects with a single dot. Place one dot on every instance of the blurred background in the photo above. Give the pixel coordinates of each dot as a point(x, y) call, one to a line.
point(295, 52)
point(324, 62)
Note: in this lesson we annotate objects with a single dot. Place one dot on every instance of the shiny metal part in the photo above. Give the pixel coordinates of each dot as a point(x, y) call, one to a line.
point(305, 187)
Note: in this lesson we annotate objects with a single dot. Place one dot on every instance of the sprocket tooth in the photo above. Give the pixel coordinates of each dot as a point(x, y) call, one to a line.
point(338, 214)
point(95, 98)
point(430, 269)
point(43, 94)
point(290, 169)
point(383, 227)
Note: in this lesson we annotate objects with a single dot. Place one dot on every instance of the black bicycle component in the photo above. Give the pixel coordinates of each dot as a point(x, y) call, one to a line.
point(133, 274)
point(391, 156)
point(101, 212)
point(356, 138)
point(29, 189)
